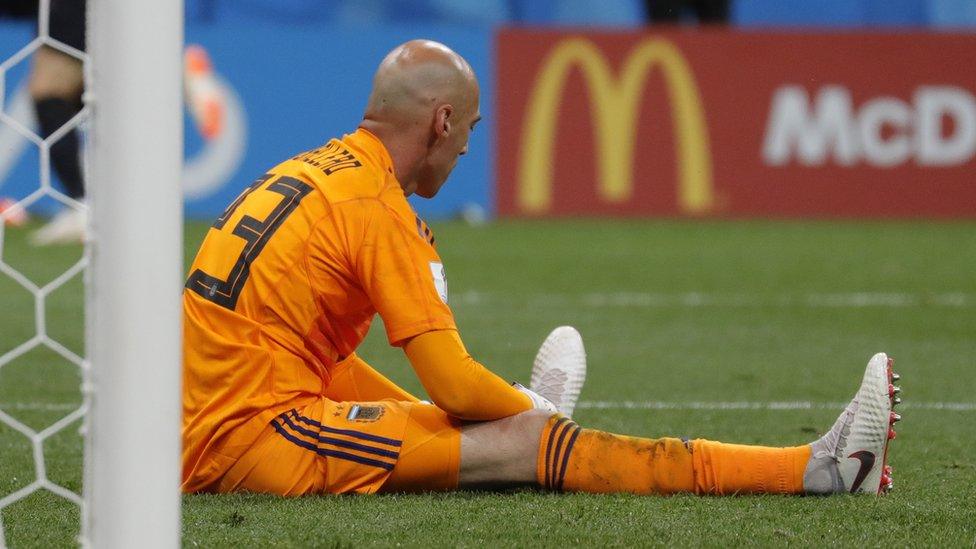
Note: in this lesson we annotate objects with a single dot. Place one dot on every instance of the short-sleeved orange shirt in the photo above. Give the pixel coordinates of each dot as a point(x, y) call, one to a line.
point(286, 284)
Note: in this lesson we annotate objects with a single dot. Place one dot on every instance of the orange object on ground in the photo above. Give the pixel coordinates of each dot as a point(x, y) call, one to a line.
point(12, 214)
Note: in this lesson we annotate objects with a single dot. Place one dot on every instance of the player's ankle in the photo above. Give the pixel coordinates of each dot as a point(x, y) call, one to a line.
point(822, 475)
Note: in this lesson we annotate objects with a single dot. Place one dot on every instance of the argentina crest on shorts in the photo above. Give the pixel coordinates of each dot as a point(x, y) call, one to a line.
point(440, 279)
point(359, 412)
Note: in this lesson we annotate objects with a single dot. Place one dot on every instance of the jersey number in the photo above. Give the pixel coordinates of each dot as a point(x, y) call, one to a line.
point(255, 233)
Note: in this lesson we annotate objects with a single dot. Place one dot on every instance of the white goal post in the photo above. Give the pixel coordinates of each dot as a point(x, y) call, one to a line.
point(132, 455)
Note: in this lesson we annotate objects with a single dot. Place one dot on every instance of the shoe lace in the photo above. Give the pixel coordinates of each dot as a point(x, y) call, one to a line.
point(832, 444)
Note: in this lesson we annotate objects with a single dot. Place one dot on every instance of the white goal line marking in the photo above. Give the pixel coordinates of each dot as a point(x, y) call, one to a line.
point(710, 299)
point(40, 406)
point(754, 405)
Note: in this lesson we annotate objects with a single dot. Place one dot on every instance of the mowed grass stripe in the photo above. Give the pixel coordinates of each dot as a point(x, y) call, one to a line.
point(772, 405)
point(852, 300)
point(627, 405)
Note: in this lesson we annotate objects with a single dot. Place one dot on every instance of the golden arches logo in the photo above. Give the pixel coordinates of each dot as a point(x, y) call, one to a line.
point(614, 108)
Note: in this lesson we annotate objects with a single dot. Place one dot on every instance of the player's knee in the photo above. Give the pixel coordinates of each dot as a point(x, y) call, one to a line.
point(520, 433)
point(55, 74)
point(531, 423)
point(502, 451)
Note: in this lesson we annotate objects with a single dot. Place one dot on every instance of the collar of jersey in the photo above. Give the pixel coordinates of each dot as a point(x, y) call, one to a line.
point(373, 144)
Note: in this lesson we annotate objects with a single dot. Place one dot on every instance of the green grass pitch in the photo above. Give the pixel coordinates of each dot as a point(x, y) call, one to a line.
point(677, 317)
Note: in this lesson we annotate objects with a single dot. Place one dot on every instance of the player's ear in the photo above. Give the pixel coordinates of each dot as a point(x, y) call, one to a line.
point(442, 121)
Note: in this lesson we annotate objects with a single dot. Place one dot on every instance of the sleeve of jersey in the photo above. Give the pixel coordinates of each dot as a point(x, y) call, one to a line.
point(457, 383)
point(399, 271)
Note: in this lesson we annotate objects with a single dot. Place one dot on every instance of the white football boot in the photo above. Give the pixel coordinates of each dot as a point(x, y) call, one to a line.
point(69, 226)
point(852, 456)
point(559, 369)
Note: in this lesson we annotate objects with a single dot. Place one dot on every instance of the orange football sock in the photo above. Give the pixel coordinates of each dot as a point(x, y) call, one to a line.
point(736, 468)
point(585, 460)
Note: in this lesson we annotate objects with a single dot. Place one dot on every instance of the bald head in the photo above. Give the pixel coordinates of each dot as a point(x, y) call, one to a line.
point(414, 77)
point(423, 106)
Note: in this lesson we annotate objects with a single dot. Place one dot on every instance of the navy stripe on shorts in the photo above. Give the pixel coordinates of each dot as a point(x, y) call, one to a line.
point(286, 425)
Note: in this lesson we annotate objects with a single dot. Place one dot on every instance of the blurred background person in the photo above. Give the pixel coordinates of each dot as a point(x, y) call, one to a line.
point(56, 84)
point(706, 12)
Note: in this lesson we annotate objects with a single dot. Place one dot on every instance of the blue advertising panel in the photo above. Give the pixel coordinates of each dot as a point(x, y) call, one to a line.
point(287, 88)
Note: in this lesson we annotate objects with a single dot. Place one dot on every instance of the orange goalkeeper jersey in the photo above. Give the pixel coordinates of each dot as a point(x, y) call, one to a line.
point(286, 284)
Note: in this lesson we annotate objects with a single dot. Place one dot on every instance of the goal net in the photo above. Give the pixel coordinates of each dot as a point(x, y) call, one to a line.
point(127, 406)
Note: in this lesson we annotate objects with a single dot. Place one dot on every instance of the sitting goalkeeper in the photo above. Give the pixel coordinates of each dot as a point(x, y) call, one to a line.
point(289, 278)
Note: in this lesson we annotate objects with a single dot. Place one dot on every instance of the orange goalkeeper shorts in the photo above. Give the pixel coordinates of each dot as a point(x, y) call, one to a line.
point(351, 447)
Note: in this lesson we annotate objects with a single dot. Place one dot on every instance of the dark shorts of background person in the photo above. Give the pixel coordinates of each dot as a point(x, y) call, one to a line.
point(675, 11)
point(66, 22)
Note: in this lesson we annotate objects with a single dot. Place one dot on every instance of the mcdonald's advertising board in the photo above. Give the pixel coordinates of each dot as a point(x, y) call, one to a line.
point(735, 124)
